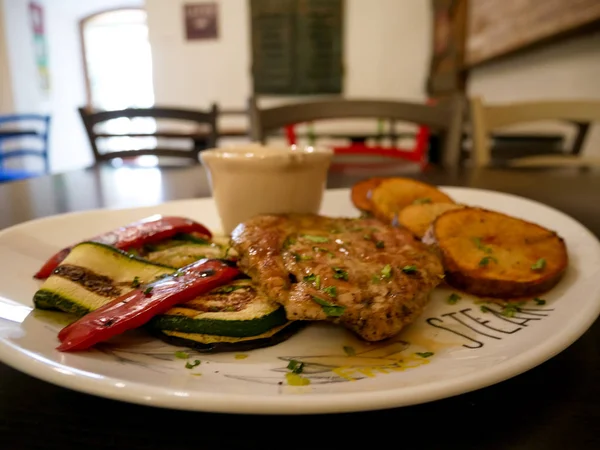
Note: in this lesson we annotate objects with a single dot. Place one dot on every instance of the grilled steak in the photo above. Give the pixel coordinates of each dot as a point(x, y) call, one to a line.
point(367, 276)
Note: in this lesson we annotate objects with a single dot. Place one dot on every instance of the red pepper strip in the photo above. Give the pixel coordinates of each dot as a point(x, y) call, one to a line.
point(146, 231)
point(137, 307)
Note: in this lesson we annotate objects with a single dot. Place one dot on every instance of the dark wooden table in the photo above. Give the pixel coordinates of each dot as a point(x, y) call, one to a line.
point(553, 406)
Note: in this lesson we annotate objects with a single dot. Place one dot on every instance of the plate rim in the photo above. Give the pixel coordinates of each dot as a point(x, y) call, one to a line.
point(136, 392)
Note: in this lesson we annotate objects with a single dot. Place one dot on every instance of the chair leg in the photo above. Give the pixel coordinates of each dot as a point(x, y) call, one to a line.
point(290, 133)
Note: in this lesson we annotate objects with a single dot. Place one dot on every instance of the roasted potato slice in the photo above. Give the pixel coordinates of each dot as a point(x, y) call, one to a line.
point(391, 195)
point(417, 218)
point(491, 254)
point(361, 193)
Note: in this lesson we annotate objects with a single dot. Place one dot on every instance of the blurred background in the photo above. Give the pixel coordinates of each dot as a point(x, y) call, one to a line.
point(57, 56)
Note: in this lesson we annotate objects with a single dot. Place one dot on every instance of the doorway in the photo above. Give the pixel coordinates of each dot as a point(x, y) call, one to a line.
point(117, 64)
point(117, 59)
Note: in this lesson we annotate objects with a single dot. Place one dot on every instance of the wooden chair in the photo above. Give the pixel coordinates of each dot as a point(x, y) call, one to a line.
point(203, 136)
point(486, 118)
point(445, 117)
point(17, 135)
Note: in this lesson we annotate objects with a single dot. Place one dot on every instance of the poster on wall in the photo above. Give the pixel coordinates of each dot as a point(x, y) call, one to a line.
point(36, 13)
point(201, 21)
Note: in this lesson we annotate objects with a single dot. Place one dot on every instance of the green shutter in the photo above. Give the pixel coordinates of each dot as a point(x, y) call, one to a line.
point(297, 46)
point(272, 45)
point(319, 46)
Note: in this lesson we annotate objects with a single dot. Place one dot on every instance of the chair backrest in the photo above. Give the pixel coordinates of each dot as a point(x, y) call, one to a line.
point(200, 139)
point(445, 117)
point(486, 118)
point(25, 127)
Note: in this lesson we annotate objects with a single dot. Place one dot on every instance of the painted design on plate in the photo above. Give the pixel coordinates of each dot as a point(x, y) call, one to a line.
point(474, 326)
point(490, 321)
point(347, 365)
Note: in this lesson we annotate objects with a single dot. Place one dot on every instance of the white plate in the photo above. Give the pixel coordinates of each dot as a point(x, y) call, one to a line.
point(472, 349)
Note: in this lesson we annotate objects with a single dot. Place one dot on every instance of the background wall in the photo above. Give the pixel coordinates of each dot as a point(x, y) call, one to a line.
point(568, 69)
point(26, 92)
point(68, 143)
point(387, 50)
point(6, 95)
point(386, 53)
point(197, 73)
point(70, 147)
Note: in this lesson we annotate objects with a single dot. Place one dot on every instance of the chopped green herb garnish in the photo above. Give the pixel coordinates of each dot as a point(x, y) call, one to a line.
point(318, 281)
point(229, 288)
point(335, 231)
point(386, 272)
point(310, 278)
point(368, 237)
point(509, 310)
point(356, 229)
point(182, 355)
point(421, 201)
point(290, 240)
point(453, 298)
point(349, 350)
point(189, 365)
point(375, 279)
point(148, 290)
point(299, 257)
point(480, 245)
point(318, 239)
point(379, 244)
point(136, 282)
point(424, 354)
point(323, 250)
point(409, 269)
point(486, 260)
point(484, 309)
point(330, 290)
point(295, 366)
point(340, 274)
point(539, 301)
point(539, 264)
point(329, 308)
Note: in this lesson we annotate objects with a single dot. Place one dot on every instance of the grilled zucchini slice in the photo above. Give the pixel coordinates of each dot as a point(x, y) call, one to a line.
point(234, 316)
point(182, 250)
point(232, 311)
point(214, 344)
point(92, 275)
